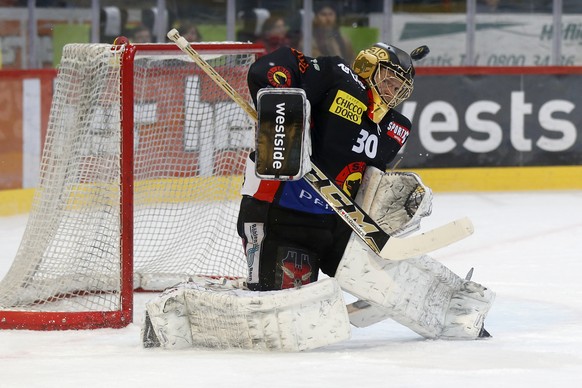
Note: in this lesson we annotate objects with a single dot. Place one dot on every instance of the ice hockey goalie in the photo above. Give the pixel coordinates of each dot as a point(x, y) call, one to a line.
point(420, 293)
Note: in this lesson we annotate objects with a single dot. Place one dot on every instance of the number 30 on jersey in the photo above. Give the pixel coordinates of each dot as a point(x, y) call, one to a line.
point(366, 143)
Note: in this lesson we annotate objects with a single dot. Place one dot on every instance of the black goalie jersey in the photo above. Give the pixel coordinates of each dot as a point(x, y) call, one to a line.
point(344, 139)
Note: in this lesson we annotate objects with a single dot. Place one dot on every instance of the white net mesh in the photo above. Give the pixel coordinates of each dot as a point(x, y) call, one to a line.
point(190, 143)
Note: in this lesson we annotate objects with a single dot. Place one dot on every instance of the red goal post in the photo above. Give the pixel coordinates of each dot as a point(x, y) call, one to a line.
point(139, 184)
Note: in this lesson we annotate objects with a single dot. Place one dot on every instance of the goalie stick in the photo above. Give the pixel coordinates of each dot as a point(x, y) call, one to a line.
point(391, 248)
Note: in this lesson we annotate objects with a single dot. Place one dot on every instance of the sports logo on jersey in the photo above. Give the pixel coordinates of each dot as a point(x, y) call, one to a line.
point(350, 178)
point(347, 107)
point(279, 77)
point(398, 132)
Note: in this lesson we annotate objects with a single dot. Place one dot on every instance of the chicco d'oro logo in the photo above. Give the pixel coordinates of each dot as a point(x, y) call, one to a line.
point(279, 77)
point(348, 107)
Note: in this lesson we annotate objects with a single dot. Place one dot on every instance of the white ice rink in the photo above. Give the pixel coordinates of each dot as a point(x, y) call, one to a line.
point(527, 247)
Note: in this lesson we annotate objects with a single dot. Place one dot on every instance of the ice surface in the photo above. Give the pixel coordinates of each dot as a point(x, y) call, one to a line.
point(527, 247)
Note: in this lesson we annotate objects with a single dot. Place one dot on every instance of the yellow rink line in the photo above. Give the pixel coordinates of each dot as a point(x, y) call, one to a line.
point(502, 178)
point(15, 201)
point(439, 180)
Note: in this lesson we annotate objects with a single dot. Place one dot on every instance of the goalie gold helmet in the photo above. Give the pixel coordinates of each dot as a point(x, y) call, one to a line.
point(389, 72)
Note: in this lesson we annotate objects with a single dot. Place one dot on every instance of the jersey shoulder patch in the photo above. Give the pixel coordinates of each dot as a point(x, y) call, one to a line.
point(396, 126)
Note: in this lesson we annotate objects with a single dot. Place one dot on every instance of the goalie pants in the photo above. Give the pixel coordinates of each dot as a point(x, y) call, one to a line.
point(286, 248)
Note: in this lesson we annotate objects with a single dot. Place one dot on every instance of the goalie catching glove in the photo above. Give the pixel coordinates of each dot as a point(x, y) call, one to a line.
point(397, 201)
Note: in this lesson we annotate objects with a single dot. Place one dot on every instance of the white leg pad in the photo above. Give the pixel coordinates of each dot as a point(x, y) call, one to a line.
point(419, 293)
point(169, 319)
point(364, 314)
point(195, 315)
point(467, 311)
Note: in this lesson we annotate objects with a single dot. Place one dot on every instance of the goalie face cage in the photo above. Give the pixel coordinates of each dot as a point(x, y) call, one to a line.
point(139, 185)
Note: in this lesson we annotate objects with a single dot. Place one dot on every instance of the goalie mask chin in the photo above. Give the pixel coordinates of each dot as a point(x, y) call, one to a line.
point(389, 73)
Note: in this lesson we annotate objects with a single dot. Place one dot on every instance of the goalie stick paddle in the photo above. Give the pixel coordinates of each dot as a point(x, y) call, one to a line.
point(391, 248)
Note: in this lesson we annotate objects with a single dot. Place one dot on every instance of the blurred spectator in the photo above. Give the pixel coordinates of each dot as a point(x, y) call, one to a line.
point(141, 34)
point(252, 24)
point(327, 38)
point(190, 32)
point(274, 34)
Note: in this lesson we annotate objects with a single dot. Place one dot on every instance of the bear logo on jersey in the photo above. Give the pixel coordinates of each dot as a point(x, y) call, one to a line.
point(279, 77)
point(350, 178)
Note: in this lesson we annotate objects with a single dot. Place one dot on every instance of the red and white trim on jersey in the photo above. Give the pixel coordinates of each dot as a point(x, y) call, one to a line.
point(263, 190)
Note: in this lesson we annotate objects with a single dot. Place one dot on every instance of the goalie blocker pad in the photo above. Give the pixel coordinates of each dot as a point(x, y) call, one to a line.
point(283, 142)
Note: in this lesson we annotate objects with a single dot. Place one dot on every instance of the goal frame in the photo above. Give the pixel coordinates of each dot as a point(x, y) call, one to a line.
point(75, 320)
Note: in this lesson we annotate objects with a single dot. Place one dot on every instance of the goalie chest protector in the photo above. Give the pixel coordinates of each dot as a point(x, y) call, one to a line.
point(282, 138)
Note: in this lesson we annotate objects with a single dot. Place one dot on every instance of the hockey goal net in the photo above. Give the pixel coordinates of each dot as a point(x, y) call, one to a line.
point(139, 185)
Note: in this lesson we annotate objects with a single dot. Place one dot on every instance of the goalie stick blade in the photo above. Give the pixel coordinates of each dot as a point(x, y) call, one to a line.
point(407, 247)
